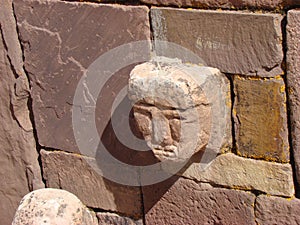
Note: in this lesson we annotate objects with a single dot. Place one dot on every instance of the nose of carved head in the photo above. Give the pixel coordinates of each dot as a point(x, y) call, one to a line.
point(162, 144)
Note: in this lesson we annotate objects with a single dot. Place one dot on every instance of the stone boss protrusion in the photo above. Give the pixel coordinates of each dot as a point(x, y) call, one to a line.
point(171, 106)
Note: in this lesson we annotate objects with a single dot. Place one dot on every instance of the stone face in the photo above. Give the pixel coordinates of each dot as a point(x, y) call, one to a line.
point(73, 173)
point(186, 202)
point(173, 107)
point(226, 4)
point(53, 206)
point(260, 119)
point(167, 101)
point(232, 171)
point(293, 80)
point(61, 40)
point(19, 169)
point(234, 42)
point(273, 210)
point(112, 219)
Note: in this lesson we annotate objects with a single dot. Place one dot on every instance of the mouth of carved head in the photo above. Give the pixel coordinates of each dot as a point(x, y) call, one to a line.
point(165, 152)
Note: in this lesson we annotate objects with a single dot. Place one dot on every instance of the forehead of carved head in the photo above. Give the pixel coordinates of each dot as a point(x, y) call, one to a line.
point(170, 108)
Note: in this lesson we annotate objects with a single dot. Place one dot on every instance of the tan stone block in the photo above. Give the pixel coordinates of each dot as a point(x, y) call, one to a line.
point(73, 173)
point(260, 118)
point(232, 171)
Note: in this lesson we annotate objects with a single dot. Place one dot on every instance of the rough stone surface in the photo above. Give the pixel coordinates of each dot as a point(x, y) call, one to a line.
point(293, 81)
point(60, 40)
point(73, 173)
point(19, 168)
point(226, 4)
point(173, 107)
point(271, 210)
point(186, 202)
point(260, 119)
point(159, 92)
point(234, 42)
point(53, 206)
point(112, 219)
point(232, 171)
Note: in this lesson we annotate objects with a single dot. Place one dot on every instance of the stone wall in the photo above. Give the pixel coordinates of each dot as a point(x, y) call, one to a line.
point(49, 46)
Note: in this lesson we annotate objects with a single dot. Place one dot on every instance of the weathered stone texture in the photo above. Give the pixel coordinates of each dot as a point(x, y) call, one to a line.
point(53, 206)
point(293, 80)
point(19, 168)
point(226, 4)
point(181, 109)
point(168, 99)
point(112, 219)
point(271, 210)
point(186, 202)
point(260, 118)
point(232, 171)
point(234, 42)
point(60, 40)
point(73, 173)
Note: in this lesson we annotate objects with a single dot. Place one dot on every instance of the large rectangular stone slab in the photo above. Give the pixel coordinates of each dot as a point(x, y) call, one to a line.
point(182, 201)
point(226, 4)
point(60, 41)
point(232, 171)
point(74, 173)
point(271, 210)
point(234, 42)
point(293, 81)
point(20, 172)
point(260, 118)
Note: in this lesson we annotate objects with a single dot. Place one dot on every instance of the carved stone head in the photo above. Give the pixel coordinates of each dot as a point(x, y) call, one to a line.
point(170, 107)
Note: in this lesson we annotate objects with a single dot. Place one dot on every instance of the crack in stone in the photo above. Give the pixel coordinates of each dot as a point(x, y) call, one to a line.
point(254, 209)
point(11, 39)
point(20, 98)
point(51, 33)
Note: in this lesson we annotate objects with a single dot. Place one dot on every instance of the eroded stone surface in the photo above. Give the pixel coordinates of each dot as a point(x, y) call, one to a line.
point(20, 171)
point(293, 79)
point(53, 206)
point(186, 202)
point(233, 171)
point(271, 210)
point(73, 173)
point(173, 107)
point(226, 4)
point(159, 92)
point(260, 119)
point(60, 40)
point(112, 219)
point(234, 42)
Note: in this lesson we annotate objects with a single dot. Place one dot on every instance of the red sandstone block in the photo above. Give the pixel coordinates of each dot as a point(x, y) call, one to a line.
point(60, 40)
point(234, 42)
point(293, 80)
point(271, 210)
point(226, 4)
point(182, 201)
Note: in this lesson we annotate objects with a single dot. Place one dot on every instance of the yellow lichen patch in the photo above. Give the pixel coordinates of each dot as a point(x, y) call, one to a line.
point(260, 118)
